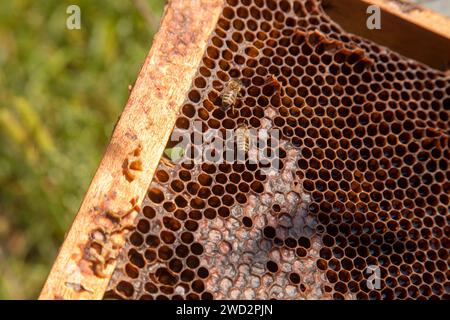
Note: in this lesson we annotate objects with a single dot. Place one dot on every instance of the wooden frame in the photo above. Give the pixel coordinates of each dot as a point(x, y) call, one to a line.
point(416, 14)
point(406, 28)
point(139, 138)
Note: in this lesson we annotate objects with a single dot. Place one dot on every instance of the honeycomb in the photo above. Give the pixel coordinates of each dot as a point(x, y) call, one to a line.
point(363, 179)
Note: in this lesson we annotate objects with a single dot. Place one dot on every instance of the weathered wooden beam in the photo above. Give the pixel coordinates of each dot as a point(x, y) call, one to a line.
point(140, 137)
point(406, 28)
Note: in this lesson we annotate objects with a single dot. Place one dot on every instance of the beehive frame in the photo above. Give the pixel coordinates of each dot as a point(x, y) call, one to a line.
point(159, 93)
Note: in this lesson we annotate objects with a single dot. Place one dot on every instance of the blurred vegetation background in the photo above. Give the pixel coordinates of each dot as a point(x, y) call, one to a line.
point(61, 91)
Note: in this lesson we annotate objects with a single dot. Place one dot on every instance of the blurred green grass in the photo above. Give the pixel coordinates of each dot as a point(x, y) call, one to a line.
point(61, 92)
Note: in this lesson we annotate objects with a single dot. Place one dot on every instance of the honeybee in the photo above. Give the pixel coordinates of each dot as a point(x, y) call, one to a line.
point(230, 93)
point(242, 139)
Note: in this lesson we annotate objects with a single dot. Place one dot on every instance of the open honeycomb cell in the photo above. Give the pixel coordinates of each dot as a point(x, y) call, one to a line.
point(363, 181)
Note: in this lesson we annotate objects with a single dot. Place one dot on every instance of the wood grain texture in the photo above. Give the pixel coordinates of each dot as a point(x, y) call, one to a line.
point(406, 28)
point(416, 14)
point(145, 124)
